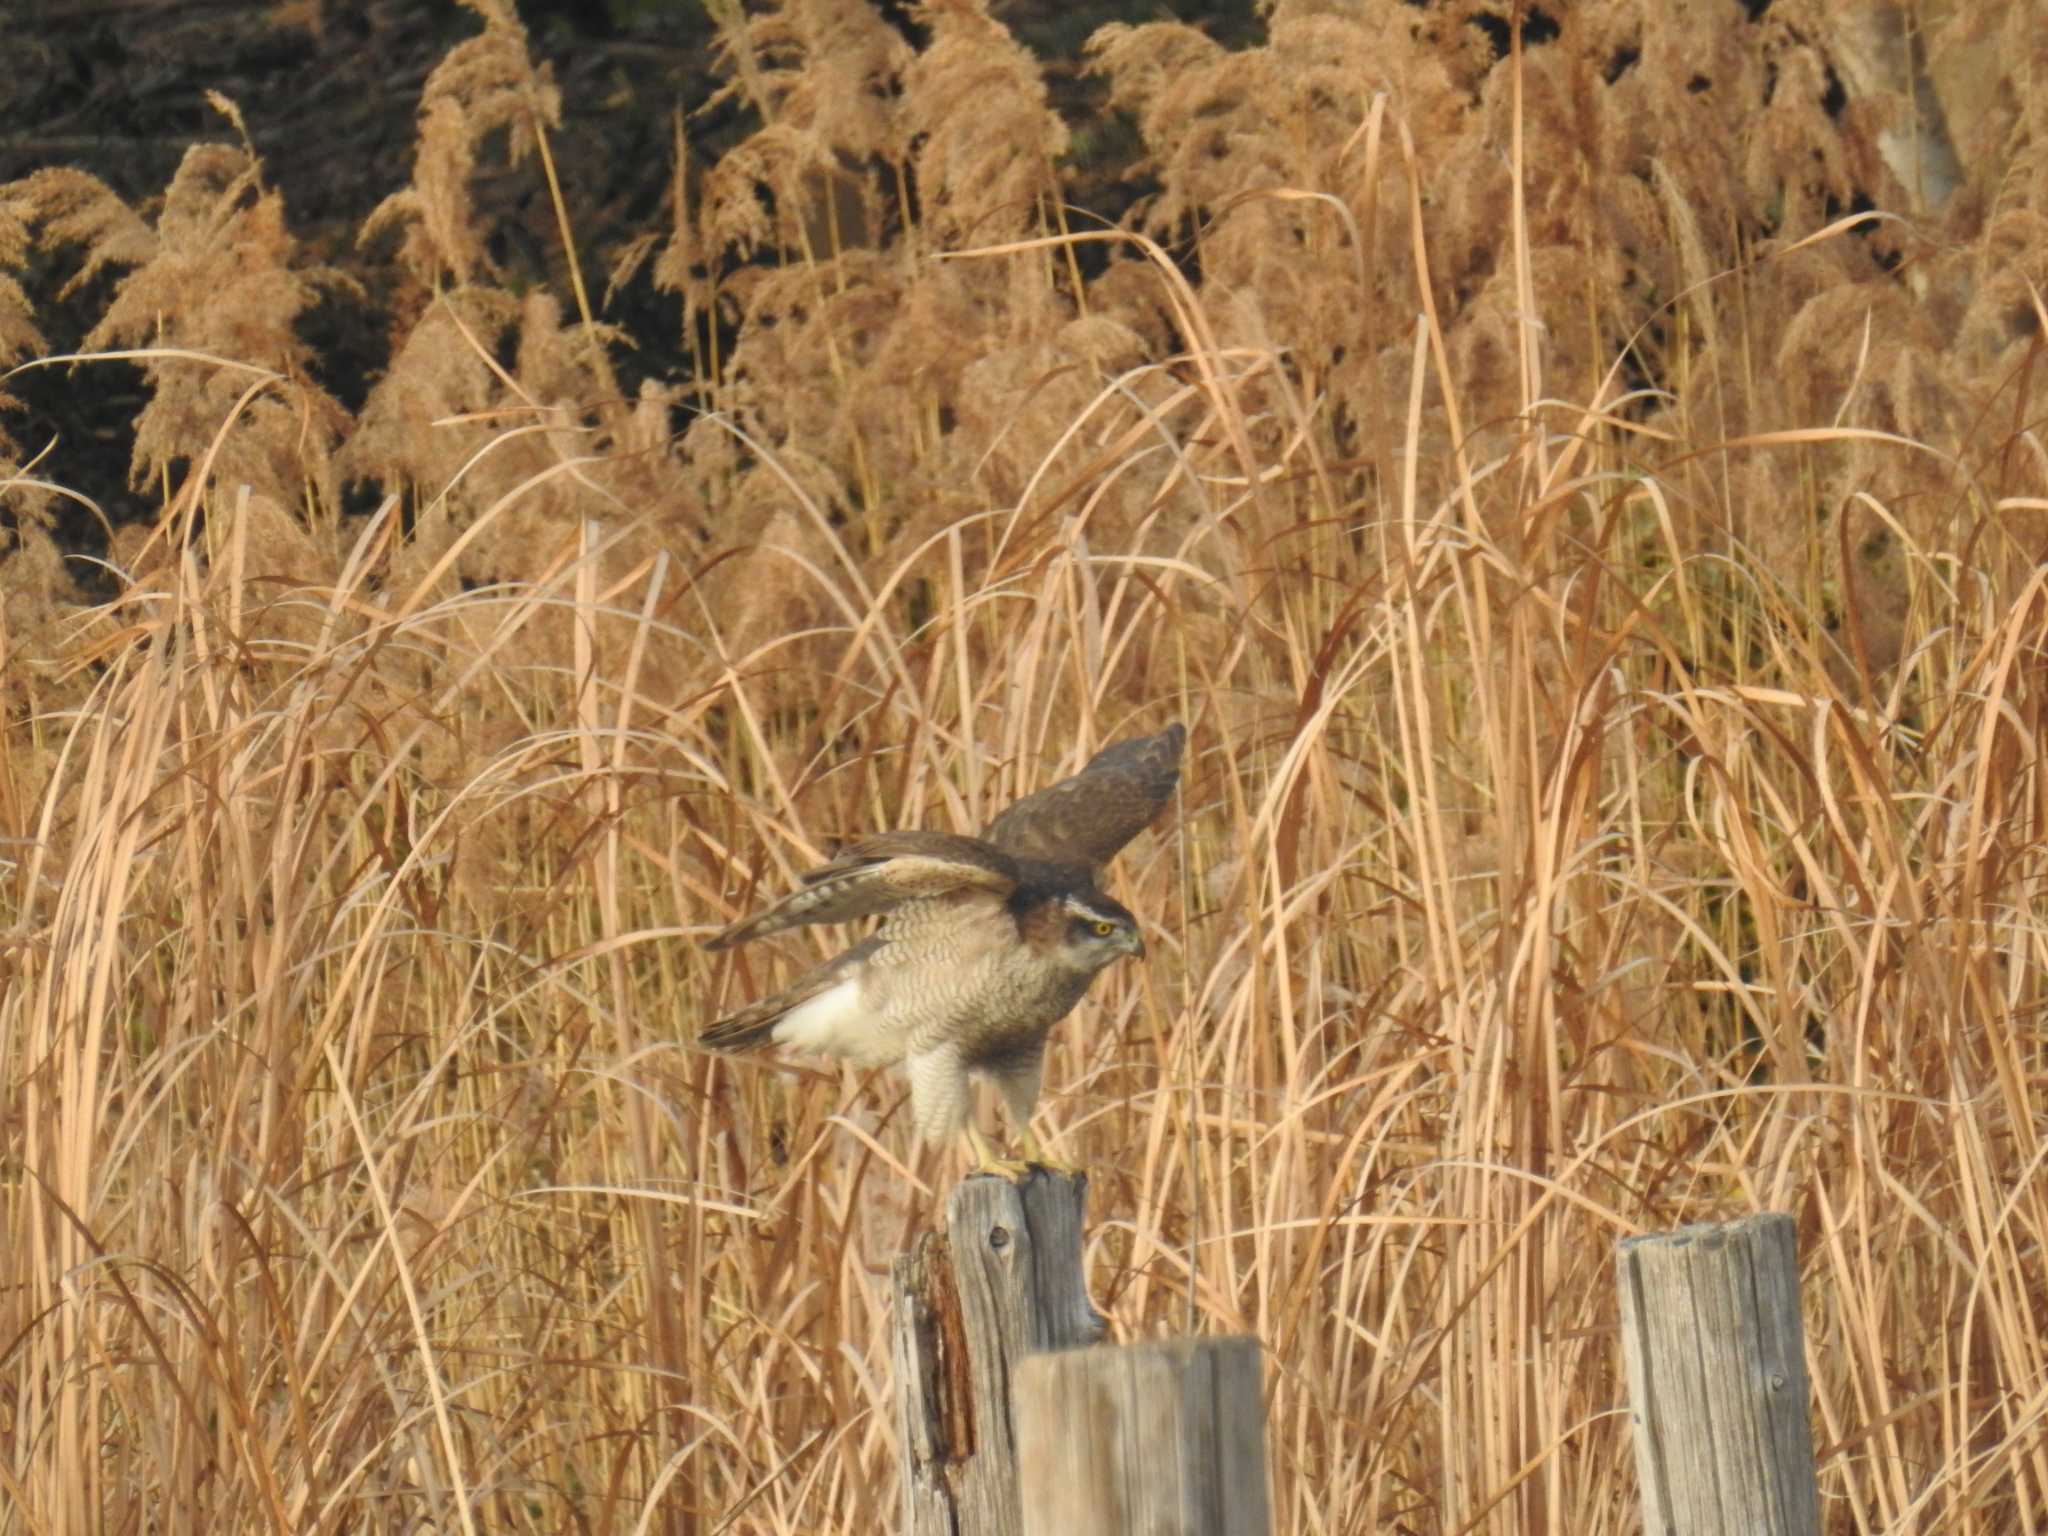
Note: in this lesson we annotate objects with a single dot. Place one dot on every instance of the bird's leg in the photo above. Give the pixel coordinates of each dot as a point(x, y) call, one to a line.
point(1035, 1155)
point(1018, 1085)
point(984, 1154)
point(986, 1161)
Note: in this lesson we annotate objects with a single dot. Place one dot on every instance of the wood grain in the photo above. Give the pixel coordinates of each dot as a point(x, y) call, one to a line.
point(1717, 1380)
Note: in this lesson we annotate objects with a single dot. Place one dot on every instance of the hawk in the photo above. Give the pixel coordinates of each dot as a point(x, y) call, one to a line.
point(985, 943)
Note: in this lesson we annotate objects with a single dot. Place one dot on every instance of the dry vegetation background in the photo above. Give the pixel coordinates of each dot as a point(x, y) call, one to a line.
point(1588, 500)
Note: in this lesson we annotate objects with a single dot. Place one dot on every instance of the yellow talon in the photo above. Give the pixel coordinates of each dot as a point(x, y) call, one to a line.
point(1016, 1169)
point(1012, 1169)
point(1036, 1156)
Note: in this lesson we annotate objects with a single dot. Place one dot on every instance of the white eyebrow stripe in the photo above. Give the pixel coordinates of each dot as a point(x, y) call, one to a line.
point(1080, 906)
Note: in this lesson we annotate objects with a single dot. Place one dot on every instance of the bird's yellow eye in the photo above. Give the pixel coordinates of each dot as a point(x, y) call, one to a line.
point(1104, 927)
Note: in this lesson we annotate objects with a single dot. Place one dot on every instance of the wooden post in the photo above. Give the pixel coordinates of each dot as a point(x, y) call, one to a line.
point(1716, 1361)
point(1003, 1280)
point(1165, 1438)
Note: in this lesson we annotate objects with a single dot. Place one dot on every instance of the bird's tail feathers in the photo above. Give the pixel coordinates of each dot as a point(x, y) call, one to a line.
point(751, 1029)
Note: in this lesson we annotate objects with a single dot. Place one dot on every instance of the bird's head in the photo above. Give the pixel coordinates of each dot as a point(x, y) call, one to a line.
point(1093, 931)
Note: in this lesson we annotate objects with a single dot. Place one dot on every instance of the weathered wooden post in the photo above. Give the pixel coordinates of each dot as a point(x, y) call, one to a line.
point(1165, 1438)
point(1716, 1362)
point(1003, 1280)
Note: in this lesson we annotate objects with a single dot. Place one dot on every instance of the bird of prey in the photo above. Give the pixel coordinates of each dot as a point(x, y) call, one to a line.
point(985, 943)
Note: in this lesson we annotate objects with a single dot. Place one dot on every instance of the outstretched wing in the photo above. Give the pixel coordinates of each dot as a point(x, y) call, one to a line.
point(1086, 819)
point(879, 875)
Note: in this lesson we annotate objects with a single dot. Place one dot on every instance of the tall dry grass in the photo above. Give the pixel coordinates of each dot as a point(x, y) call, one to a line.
point(1604, 587)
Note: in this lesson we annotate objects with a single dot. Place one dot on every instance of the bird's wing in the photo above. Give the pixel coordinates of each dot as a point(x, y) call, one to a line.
point(1084, 820)
point(880, 875)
